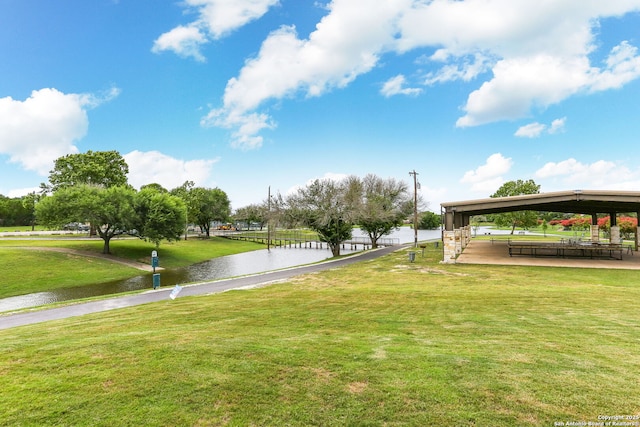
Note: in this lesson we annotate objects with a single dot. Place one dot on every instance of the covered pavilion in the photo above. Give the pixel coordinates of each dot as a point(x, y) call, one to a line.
point(457, 215)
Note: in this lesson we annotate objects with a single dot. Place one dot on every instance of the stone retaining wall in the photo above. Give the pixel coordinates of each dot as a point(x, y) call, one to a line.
point(454, 243)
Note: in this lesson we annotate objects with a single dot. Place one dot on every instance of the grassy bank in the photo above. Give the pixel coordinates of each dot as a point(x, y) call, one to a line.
point(27, 269)
point(385, 342)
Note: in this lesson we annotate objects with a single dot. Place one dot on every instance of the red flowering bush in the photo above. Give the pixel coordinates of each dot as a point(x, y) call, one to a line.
point(579, 223)
point(628, 225)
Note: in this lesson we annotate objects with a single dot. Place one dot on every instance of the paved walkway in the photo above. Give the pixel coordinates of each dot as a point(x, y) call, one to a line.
point(497, 253)
point(20, 319)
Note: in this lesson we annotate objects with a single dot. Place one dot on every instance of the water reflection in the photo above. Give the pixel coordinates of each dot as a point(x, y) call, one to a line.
point(216, 268)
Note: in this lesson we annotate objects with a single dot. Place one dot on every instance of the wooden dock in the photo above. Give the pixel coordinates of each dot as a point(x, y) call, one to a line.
point(301, 240)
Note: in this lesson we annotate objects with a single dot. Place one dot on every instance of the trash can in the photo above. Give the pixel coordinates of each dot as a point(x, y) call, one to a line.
point(412, 256)
point(156, 281)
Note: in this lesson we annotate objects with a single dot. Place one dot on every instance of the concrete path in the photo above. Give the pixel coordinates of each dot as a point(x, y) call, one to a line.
point(497, 253)
point(21, 319)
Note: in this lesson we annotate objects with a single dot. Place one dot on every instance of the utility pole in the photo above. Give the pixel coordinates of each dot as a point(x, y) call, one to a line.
point(415, 207)
point(269, 220)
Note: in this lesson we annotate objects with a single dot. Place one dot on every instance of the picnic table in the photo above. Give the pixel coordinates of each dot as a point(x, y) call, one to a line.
point(565, 249)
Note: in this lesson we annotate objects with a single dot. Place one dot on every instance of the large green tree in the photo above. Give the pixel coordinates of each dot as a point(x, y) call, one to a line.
point(384, 205)
point(159, 215)
point(429, 220)
point(252, 214)
point(110, 211)
point(95, 168)
point(29, 204)
point(329, 208)
point(522, 219)
point(204, 205)
point(16, 211)
point(150, 214)
point(101, 168)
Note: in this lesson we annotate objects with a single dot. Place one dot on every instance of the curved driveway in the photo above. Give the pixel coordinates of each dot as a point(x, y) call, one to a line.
point(217, 286)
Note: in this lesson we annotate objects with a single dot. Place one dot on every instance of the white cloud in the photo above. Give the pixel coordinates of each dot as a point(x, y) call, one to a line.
point(216, 19)
point(534, 130)
point(154, 167)
point(597, 175)
point(247, 127)
point(395, 86)
point(432, 197)
point(221, 17)
point(466, 68)
point(622, 66)
point(519, 84)
point(184, 41)
point(346, 43)
point(538, 54)
point(329, 176)
point(557, 126)
point(488, 177)
point(45, 126)
point(21, 192)
point(541, 80)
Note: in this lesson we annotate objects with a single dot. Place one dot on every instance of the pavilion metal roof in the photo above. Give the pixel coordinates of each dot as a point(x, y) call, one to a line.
point(574, 201)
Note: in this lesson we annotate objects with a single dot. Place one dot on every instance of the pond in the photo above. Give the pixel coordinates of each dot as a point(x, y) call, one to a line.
point(217, 268)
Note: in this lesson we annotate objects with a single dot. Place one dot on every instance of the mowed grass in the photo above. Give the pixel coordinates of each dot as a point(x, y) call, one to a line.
point(385, 342)
point(26, 268)
point(29, 271)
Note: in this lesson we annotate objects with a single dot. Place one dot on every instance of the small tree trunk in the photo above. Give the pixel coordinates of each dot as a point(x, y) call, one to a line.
point(106, 248)
point(374, 240)
point(335, 248)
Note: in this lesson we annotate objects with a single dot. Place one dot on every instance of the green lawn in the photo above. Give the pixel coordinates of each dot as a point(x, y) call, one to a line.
point(12, 229)
point(385, 342)
point(31, 270)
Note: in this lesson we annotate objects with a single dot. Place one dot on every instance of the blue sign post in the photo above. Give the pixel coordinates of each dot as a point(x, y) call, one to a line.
point(154, 260)
point(154, 264)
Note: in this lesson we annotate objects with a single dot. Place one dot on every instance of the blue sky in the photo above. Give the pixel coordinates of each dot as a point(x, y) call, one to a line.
point(247, 94)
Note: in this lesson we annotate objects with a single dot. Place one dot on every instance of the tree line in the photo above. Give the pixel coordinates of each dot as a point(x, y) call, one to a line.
point(92, 188)
point(332, 208)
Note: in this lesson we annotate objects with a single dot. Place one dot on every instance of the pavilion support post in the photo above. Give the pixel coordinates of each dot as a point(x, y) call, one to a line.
point(448, 221)
point(449, 245)
point(615, 235)
point(458, 240)
point(467, 235)
point(595, 229)
point(614, 229)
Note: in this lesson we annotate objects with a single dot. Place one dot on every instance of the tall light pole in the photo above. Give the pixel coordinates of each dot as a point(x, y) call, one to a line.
point(415, 207)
